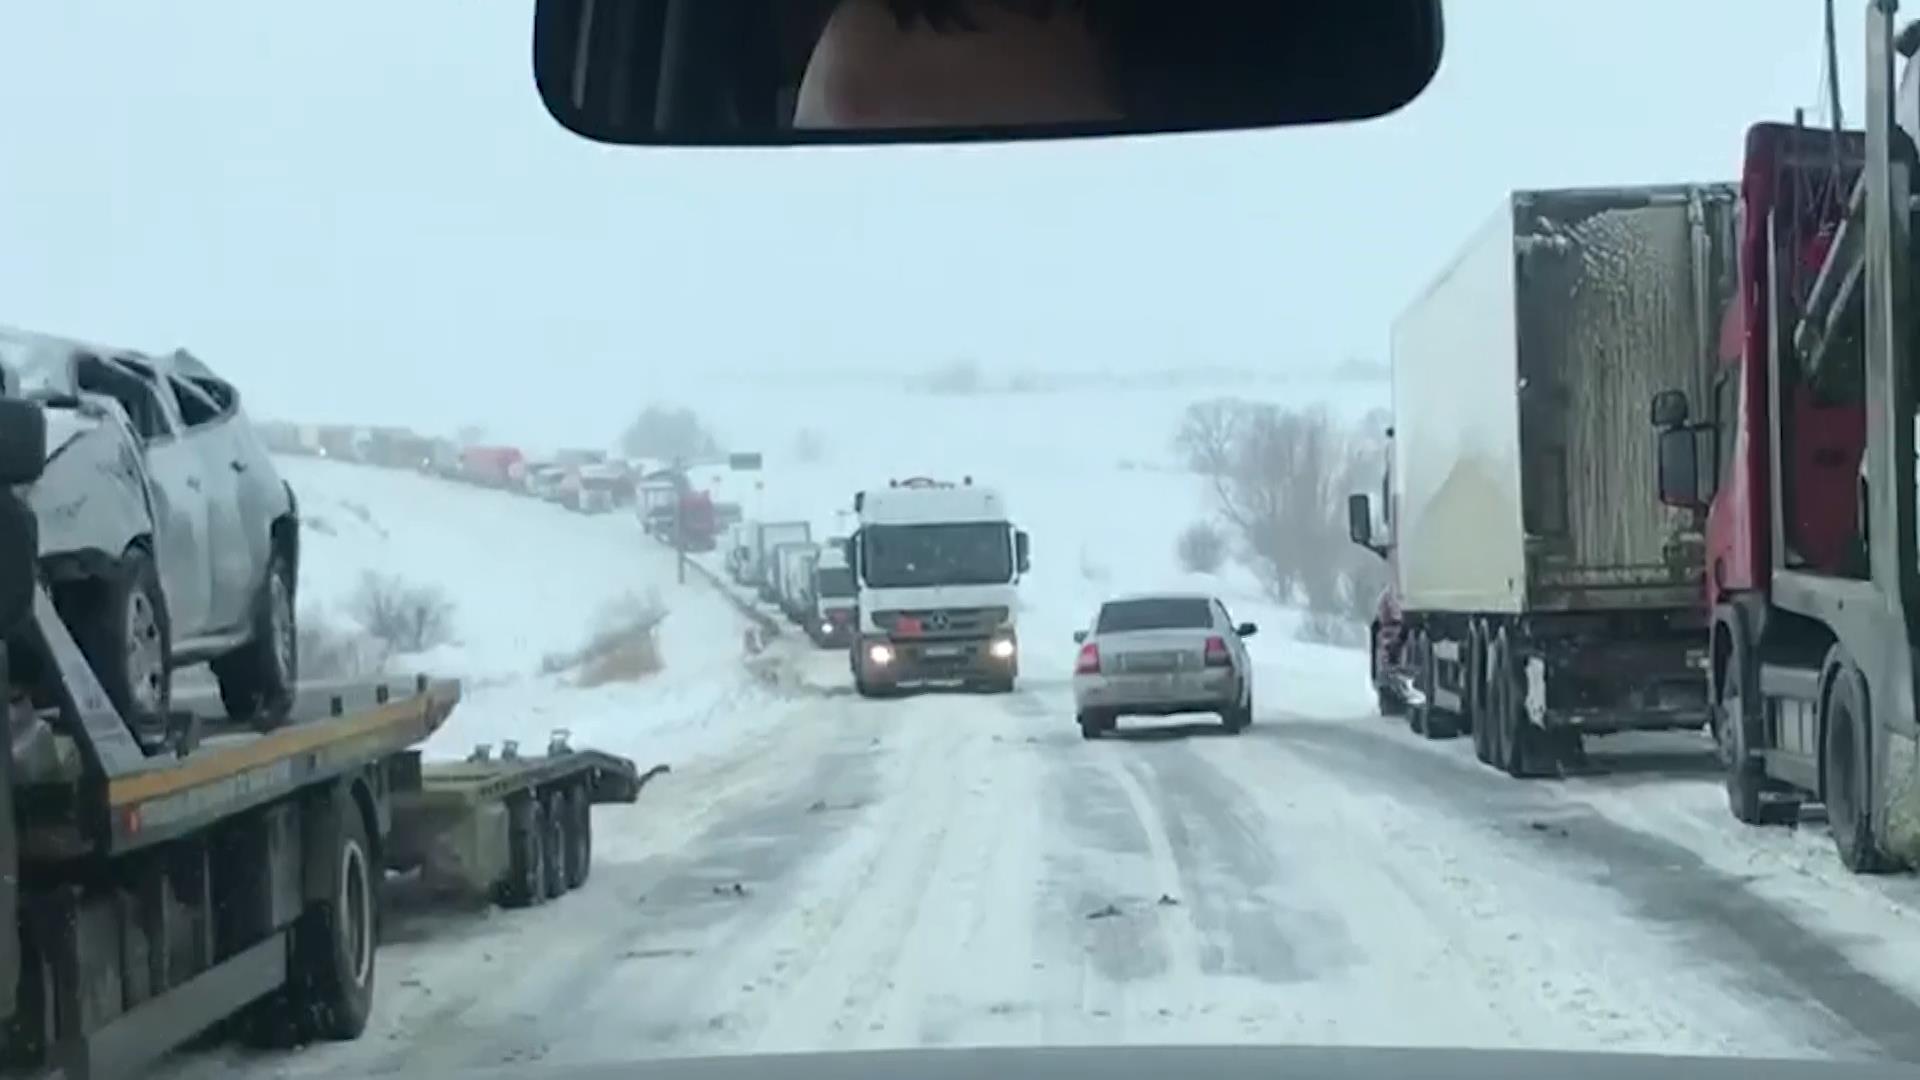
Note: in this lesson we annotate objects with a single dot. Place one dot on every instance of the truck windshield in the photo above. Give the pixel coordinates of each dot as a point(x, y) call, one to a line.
point(970, 553)
point(833, 582)
point(1154, 613)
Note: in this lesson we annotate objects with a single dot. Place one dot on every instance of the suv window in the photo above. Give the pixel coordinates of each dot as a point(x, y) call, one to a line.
point(127, 384)
point(1154, 613)
point(217, 392)
point(196, 408)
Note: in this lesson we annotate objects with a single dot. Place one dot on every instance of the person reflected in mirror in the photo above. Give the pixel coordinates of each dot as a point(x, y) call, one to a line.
point(958, 63)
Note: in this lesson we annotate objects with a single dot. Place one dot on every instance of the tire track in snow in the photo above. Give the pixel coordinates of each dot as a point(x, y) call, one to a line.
point(1716, 933)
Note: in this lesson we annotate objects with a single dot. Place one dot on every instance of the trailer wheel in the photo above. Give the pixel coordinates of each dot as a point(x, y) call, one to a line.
point(1425, 718)
point(1520, 745)
point(1846, 774)
point(525, 884)
point(257, 680)
point(1481, 698)
point(330, 966)
point(579, 835)
point(1496, 701)
point(554, 869)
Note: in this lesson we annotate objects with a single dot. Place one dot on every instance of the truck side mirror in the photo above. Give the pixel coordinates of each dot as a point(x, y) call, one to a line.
point(1360, 519)
point(1020, 552)
point(1679, 453)
point(23, 442)
point(1669, 409)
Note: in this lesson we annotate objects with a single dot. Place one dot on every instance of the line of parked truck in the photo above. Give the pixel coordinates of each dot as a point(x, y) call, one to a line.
point(924, 591)
point(585, 480)
point(1746, 565)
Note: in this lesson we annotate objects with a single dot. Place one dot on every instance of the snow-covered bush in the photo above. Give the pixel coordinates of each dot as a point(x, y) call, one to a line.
point(1202, 547)
point(330, 649)
point(625, 646)
point(403, 617)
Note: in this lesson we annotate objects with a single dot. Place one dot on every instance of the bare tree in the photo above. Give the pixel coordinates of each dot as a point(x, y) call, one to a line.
point(667, 433)
point(1280, 479)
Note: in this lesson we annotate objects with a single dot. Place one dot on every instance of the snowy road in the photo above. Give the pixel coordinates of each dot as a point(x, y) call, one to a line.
point(953, 869)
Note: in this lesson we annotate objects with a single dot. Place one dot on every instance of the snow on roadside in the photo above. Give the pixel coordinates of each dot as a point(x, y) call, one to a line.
point(528, 581)
point(1874, 921)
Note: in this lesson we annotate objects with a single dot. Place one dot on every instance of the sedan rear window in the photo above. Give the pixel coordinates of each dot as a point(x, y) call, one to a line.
point(1156, 613)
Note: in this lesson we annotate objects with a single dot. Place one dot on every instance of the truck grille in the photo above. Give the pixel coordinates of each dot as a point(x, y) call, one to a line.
point(941, 622)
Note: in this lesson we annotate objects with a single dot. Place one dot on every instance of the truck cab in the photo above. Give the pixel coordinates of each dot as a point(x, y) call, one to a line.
point(831, 621)
point(1810, 553)
point(936, 569)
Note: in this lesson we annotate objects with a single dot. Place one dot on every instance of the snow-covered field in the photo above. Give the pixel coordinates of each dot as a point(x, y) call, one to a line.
point(821, 871)
point(526, 581)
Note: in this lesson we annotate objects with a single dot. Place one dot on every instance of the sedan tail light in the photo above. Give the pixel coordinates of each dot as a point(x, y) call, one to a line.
point(1089, 662)
point(1217, 655)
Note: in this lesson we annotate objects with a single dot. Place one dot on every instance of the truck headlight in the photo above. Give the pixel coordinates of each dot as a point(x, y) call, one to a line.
point(1001, 649)
point(880, 655)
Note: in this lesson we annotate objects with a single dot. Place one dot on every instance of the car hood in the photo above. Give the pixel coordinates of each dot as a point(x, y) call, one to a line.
point(1214, 1062)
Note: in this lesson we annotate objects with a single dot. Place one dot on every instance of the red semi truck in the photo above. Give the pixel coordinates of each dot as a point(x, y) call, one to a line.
point(1802, 456)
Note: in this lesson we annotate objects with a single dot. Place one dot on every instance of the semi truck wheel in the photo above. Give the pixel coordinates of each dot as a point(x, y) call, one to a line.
point(553, 811)
point(1734, 729)
point(1846, 777)
point(120, 624)
point(579, 836)
point(525, 883)
point(257, 680)
point(330, 969)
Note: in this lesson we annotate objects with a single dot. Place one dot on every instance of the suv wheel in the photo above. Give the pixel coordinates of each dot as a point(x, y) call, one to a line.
point(257, 680)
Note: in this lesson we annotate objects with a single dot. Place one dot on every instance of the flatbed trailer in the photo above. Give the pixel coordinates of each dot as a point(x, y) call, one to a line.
point(234, 878)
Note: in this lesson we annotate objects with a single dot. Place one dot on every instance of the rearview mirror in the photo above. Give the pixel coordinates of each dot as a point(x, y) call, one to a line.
point(1679, 480)
point(1360, 519)
point(23, 441)
point(1079, 637)
point(1669, 408)
point(788, 72)
point(1246, 630)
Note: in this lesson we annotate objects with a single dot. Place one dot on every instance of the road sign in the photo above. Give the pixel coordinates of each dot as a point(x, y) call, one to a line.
point(743, 462)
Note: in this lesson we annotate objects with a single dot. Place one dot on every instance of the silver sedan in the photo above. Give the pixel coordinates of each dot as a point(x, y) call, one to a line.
point(1159, 655)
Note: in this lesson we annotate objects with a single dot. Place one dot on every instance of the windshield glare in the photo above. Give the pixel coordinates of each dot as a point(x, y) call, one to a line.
point(833, 582)
point(975, 553)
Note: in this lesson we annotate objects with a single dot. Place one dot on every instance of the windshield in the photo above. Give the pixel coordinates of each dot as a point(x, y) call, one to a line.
point(1163, 613)
point(973, 553)
point(543, 421)
point(834, 582)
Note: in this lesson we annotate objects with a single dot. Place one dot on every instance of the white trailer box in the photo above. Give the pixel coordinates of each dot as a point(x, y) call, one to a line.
point(1523, 475)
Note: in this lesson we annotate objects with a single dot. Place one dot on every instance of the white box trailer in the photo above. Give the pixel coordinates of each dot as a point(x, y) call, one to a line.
point(1542, 585)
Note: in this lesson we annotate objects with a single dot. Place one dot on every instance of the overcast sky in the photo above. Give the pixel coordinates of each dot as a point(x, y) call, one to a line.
point(364, 200)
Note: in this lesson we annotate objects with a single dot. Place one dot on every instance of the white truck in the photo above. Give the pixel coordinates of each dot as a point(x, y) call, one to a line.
point(796, 580)
point(830, 623)
point(936, 570)
point(769, 538)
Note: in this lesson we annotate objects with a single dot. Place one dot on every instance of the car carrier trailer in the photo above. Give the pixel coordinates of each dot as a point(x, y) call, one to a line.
point(235, 876)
